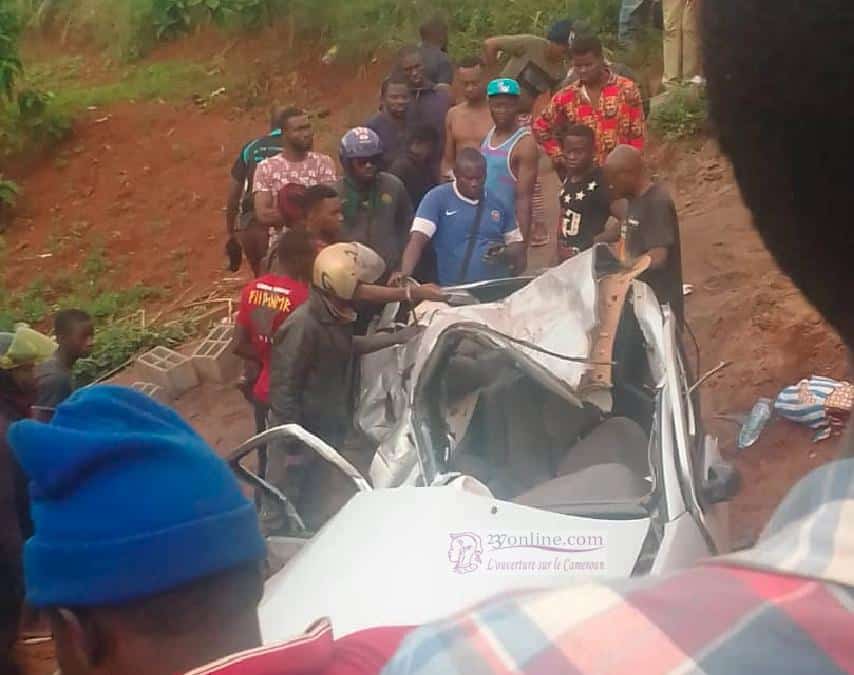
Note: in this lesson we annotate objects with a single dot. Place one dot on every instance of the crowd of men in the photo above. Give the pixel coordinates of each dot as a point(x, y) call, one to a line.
point(433, 192)
point(145, 556)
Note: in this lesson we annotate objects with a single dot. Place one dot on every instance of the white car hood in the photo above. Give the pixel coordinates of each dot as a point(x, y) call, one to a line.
point(407, 556)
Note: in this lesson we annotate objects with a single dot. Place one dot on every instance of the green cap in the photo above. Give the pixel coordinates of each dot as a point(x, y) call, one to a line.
point(503, 87)
point(24, 347)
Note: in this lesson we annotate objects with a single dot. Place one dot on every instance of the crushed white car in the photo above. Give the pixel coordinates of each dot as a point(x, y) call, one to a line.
point(547, 436)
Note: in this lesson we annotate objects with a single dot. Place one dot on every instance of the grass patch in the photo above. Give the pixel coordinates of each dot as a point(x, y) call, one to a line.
point(51, 96)
point(120, 334)
point(360, 28)
point(682, 113)
point(116, 342)
point(129, 28)
point(169, 80)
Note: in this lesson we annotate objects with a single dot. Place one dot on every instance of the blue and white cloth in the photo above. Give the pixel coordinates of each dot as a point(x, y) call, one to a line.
point(808, 403)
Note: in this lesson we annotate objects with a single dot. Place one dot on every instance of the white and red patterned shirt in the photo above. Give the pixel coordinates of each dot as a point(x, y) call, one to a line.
point(275, 172)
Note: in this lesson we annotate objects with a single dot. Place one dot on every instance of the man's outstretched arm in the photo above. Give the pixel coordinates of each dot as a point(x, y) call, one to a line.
point(411, 255)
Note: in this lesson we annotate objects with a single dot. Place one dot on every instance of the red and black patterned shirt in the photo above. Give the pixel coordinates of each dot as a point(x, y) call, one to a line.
point(618, 118)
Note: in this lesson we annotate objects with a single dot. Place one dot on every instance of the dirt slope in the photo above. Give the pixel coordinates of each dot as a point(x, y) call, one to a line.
point(746, 311)
point(149, 180)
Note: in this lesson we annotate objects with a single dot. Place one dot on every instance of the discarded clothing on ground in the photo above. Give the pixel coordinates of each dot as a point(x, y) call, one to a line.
point(821, 403)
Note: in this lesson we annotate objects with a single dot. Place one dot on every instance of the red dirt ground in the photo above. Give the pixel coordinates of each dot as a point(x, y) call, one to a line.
point(150, 182)
point(745, 310)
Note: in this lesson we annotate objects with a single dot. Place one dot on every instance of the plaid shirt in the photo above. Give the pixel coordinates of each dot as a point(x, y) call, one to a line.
point(618, 118)
point(785, 606)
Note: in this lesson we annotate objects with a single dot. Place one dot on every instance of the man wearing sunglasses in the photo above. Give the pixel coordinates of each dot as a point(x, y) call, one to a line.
point(377, 209)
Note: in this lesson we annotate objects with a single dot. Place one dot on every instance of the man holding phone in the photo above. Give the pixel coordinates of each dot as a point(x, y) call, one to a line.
point(475, 236)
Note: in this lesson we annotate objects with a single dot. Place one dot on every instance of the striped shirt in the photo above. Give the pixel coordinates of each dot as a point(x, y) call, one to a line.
point(819, 402)
point(785, 606)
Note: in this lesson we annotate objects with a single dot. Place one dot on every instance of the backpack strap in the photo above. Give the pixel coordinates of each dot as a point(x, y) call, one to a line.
point(472, 241)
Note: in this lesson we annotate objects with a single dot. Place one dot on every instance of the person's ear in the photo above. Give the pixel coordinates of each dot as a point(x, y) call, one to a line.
point(80, 644)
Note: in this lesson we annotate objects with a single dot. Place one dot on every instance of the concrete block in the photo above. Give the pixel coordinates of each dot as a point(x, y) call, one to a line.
point(155, 391)
point(224, 332)
point(214, 359)
point(170, 370)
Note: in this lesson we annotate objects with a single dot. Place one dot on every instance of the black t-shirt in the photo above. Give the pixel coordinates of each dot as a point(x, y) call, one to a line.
point(585, 206)
point(437, 66)
point(253, 153)
point(418, 180)
point(652, 224)
point(391, 135)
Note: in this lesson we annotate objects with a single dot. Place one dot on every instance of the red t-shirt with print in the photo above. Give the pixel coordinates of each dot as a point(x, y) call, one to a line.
point(264, 305)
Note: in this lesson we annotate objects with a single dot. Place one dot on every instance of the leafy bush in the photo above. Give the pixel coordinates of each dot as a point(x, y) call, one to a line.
point(33, 121)
point(52, 96)
point(116, 342)
point(129, 28)
point(119, 335)
point(10, 62)
point(358, 27)
point(680, 114)
point(9, 192)
point(39, 118)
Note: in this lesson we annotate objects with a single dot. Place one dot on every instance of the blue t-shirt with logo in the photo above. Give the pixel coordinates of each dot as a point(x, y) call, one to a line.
point(446, 217)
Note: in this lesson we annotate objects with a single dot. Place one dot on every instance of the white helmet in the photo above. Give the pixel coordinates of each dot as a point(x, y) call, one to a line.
point(340, 268)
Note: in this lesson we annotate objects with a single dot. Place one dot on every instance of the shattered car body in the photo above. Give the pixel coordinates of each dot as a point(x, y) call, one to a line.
point(557, 436)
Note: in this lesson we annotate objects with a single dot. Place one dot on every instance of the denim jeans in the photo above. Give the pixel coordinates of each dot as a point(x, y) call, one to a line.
point(632, 15)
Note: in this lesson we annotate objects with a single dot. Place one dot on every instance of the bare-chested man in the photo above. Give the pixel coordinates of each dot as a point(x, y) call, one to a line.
point(467, 123)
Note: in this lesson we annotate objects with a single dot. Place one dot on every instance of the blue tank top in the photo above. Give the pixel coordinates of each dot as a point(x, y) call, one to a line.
point(500, 180)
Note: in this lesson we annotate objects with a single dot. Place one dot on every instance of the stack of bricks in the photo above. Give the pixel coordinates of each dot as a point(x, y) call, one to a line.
point(214, 359)
point(174, 373)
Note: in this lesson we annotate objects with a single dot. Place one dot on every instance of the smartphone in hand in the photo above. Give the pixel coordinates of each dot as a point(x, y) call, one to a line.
point(494, 252)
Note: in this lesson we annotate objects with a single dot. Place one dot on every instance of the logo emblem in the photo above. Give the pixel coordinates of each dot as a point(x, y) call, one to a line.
point(450, 213)
point(496, 216)
point(465, 552)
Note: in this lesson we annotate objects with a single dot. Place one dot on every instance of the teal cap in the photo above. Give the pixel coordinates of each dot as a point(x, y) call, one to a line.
point(503, 86)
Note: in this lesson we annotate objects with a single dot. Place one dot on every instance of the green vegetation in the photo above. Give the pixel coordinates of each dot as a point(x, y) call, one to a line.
point(167, 80)
point(360, 28)
point(120, 332)
point(681, 113)
point(10, 61)
point(129, 28)
point(51, 96)
point(9, 192)
point(117, 342)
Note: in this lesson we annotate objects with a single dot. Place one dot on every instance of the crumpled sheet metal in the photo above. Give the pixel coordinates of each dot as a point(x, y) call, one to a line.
point(556, 311)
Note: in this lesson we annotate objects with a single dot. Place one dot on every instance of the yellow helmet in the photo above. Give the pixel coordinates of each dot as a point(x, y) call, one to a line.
point(340, 268)
point(24, 347)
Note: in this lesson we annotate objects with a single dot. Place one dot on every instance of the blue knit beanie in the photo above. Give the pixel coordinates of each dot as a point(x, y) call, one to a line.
point(127, 501)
